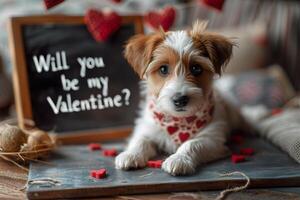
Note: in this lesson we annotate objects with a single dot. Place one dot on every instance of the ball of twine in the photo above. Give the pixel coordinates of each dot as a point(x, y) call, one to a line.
point(24, 145)
point(11, 138)
point(38, 145)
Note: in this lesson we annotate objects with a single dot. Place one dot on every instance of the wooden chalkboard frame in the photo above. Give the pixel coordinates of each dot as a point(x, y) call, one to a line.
point(20, 78)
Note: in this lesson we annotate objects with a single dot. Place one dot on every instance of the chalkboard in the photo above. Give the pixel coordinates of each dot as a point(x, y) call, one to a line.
point(67, 82)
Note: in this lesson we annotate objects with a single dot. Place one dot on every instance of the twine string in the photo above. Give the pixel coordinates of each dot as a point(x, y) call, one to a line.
point(225, 192)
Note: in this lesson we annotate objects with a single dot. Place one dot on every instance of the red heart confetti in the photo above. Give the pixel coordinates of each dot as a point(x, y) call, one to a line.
point(276, 111)
point(184, 136)
point(237, 158)
point(51, 3)
point(172, 129)
point(247, 151)
point(164, 18)
point(101, 25)
point(100, 173)
point(154, 163)
point(93, 173)
point(110, 152)
point(94, 146)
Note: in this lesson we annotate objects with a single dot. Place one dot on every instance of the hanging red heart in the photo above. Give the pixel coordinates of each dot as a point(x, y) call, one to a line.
point(116, 1)
point(164, 18)
point(218, 4)
point(101, 25)
point(51, 3)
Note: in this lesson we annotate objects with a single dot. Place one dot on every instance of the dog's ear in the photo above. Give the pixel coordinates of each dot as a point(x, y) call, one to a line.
point(214, 46)
point(139, 49)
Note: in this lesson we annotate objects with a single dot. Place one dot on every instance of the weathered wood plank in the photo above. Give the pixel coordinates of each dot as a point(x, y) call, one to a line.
point(269, 167)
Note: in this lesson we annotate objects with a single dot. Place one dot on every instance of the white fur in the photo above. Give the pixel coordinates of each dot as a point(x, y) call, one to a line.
point(179, 85)
point(182, 43)
point(179, 41)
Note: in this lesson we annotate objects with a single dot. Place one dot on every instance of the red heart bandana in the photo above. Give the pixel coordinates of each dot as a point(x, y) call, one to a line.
point(181, 129)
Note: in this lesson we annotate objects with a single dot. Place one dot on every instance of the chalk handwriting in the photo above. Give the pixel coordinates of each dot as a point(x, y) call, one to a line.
point(65, 103)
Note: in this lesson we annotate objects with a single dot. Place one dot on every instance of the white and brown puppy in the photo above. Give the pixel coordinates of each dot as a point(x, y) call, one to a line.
point(182, 115)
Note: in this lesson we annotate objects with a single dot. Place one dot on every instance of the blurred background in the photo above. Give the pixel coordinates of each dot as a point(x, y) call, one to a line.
point(264, 69)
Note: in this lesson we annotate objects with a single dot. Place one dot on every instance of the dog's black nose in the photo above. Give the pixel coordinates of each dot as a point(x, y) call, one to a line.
point(180, 100)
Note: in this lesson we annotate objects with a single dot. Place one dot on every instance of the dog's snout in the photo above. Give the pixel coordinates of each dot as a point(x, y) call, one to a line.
point(180, 100)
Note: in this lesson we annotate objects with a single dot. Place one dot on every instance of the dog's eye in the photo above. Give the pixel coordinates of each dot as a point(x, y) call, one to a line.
point(196, 70)
point(164, 70)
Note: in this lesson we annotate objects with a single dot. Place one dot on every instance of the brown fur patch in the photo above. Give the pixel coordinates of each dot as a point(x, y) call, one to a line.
point(139, 49)
point(204, 80)
point(216, 47)
point(163, 55)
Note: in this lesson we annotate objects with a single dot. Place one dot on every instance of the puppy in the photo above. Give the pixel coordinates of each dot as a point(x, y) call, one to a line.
point(182, 114)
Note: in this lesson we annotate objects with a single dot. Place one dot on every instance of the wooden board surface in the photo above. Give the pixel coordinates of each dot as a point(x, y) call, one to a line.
point(70, 165)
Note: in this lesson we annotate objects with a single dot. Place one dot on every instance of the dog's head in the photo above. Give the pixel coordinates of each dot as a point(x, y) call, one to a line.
point(179, 66)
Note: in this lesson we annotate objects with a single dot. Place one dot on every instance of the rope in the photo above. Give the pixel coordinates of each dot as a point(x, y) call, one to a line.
point(224, 193)
point(15, 163)
point(42, 181)
point(32, 151)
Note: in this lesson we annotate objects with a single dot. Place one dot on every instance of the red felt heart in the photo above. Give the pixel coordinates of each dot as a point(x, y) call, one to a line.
point(200, 123)
point(172, 129)
point(190, 119)
point(237, 158)
point(184, 136)
point(117, 1)
point(218, 4)
point(102, 25)
point(51, 3)
point(164, 18)
point(155, 163)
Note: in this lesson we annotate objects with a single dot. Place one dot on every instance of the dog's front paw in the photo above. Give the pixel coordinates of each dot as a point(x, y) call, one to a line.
point(179, 164)
point(128, 160)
